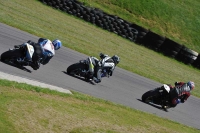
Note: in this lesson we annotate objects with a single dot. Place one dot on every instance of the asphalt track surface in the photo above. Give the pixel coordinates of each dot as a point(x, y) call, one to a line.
point(123, 87)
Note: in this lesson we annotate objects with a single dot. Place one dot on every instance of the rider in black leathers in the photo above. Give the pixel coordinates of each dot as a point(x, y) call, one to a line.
point(106, 62)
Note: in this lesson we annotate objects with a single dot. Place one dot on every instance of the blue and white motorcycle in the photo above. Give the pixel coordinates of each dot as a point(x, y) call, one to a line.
point(20, 56)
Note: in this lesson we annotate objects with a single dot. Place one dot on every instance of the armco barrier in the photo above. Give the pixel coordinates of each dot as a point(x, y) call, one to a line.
point(128, 30)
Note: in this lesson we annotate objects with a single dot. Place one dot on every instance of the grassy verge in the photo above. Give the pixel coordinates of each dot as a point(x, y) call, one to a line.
point(174, 19)
point(25, 108)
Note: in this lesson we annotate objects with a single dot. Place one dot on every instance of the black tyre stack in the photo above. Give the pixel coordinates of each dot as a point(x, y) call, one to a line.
point(153, 41)
point(170, 48)
point(196, 63)
point(125, 29)
point(187, 55)
point(141, 33)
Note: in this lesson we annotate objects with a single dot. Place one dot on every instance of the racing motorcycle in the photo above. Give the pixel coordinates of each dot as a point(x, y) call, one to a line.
point(81, 69)
point(159, 96)
point(20, 56)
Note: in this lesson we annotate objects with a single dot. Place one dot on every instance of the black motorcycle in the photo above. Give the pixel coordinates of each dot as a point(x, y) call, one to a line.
point(159, 96)
point(18, 56)
point(81, 69)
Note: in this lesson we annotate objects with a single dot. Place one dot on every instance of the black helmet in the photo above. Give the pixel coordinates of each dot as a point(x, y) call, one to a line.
point(116, 59)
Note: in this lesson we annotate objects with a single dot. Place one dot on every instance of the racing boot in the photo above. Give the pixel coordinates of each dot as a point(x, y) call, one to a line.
point(89, 76)
point(96, 80)
point(35, 65)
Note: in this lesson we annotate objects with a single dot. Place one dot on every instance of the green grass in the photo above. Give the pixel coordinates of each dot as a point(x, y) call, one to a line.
point(175, 19)
point(26, 108)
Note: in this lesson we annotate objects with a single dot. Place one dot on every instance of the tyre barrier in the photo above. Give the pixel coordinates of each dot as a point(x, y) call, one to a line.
point(130, 31)
point(95, 16)
point(141, 33)
point(197, 62)
point(170, 48)
point(187, 55)
point(153, 40)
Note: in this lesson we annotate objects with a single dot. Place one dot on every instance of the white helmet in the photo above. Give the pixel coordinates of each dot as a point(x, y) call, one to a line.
point(191, 85)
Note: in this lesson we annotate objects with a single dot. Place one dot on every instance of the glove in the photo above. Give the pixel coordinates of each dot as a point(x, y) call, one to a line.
point(178, 101)
point(176, 83)
point(101, 55)
point(182, 100)
point(29, 41)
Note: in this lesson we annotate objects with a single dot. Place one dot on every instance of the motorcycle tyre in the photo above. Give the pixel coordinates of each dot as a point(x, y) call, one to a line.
point(149, 96)
point(11, 54)
point(74, 67)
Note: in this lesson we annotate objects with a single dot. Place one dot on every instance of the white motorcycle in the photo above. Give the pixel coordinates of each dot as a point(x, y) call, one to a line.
point(159, 96)
point(20, 56)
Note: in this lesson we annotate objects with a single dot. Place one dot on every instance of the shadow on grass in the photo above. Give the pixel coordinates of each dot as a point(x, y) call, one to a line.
point(80, 78)
point(17, 66)
point(154, 105)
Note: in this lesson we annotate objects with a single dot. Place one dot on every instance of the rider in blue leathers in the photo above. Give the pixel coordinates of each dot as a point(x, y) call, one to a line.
point(44, 50)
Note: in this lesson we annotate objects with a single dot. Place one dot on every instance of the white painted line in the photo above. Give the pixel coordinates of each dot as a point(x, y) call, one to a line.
point(32, 82)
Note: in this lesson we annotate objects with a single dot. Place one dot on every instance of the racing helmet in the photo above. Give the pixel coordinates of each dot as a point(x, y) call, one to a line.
point(191, 85)
point(57, 44)
point(116, 59)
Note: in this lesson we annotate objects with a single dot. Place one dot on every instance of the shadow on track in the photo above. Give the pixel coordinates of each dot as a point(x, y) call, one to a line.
point(154, 105)
point(17, 66)
point(91, 82)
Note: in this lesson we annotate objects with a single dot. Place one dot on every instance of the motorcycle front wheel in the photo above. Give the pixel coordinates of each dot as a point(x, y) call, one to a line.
point(11, 55)
point(75, 69)
point(151, 96)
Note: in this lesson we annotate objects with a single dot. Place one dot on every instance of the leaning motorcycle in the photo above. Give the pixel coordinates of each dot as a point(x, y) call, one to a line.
point(81, 69)
point(159, 96)
point(20, 56)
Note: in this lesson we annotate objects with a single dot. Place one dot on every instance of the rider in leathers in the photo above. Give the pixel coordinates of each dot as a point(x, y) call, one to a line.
point(44, 51)
point(180, 93)
point(96, 65)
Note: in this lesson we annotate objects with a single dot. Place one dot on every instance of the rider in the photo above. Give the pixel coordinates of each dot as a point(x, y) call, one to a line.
point(180, 93)
point(106, 62)
point(44, 51)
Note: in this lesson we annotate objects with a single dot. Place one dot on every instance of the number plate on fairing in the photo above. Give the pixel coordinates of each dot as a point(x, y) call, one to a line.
point(166, 88)
point(30, 51)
